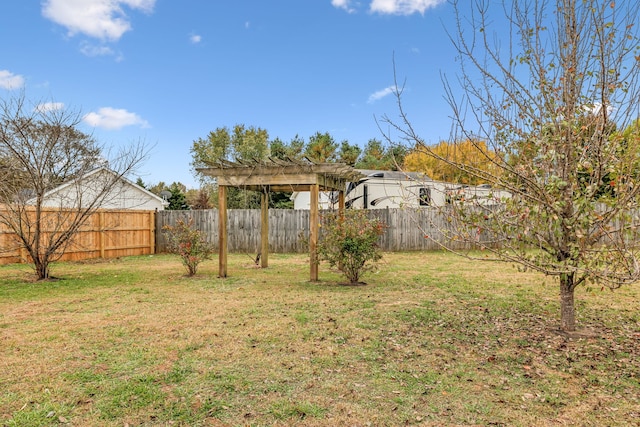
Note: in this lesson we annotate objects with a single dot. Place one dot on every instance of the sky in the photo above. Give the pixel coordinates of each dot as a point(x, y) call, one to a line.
point(168, 72)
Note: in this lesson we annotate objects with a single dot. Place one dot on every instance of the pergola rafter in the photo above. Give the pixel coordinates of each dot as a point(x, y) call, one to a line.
point(270, 175)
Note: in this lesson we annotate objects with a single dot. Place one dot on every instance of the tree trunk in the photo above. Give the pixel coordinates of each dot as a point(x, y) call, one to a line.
point(567, 306)
point(42, 268)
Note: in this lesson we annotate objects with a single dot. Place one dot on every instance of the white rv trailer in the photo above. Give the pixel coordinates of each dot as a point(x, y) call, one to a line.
point(396, 189)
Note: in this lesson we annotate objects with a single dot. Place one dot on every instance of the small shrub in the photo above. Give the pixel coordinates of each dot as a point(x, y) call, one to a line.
point(350, 242)
point(189, 243)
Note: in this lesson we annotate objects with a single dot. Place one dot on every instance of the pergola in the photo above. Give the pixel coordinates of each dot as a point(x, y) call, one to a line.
point(278, 175)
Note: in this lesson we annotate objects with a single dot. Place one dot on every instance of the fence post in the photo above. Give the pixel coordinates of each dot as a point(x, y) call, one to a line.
point(101, 232)
point(152, 232)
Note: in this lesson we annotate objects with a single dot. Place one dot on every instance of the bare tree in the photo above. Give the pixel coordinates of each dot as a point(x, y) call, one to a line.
point(554, 91)
point(40, 150)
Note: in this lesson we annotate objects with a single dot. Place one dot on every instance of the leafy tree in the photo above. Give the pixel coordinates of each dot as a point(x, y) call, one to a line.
point(250, 143)
point(238, 198)
point(548, 101)
point(240, 144)
point(157, 188)
point(473, 153)
point(177, 185)
point(280, 200)
point(378, 157)
point(278, 149)
point(321, 148)
point(396, 155)
point(178, 199)
point(41, 148)
point(201, 198)
point(140, 183)
point(293, 150)
point(348, 153)
point(373, 156)
point(217, 145)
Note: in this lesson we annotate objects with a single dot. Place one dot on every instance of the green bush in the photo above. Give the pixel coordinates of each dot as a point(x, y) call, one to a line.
point(349, 241)
point(189, 243)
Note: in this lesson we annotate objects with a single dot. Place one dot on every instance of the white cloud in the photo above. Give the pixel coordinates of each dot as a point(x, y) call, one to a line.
point(10, 81)
point(195, 38)
point(403, 7)
point(390, 7)
point(49, 106)
point(343, 4)
point(114, 119)
point(92, 50)
point(102, 19)
point(596, 109)
point(376, 96)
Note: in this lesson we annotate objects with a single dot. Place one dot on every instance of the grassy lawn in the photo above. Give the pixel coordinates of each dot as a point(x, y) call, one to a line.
point(432, 340)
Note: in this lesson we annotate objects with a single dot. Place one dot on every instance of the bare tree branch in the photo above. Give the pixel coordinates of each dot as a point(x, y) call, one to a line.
point(556, 97)
point(41, 149)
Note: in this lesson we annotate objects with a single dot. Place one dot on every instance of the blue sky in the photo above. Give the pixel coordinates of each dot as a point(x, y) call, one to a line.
point(168, 72)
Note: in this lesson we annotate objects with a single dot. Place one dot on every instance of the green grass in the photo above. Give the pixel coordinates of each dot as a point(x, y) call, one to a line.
point(431, 340)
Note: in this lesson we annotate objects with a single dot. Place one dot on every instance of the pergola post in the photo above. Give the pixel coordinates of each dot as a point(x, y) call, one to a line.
point(341, 203)
point(264, 228)
point(222, 231)
point(314, 221)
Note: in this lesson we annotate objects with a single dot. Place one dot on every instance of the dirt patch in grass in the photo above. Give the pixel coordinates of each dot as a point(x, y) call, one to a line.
point(431, 340)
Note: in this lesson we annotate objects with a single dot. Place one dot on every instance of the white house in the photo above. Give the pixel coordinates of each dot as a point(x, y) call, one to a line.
point(395, 189)
point(89, 188)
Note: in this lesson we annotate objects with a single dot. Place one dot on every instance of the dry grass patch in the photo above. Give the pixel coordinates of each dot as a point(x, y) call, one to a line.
point(431, 340)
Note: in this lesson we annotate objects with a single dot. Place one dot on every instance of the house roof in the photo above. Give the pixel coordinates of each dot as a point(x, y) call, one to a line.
point(96, 171)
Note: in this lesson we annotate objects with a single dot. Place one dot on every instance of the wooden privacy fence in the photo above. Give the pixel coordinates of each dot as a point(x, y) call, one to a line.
point(116, 233)
point(112, 234)
point(289, 228)
point(106, 234)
